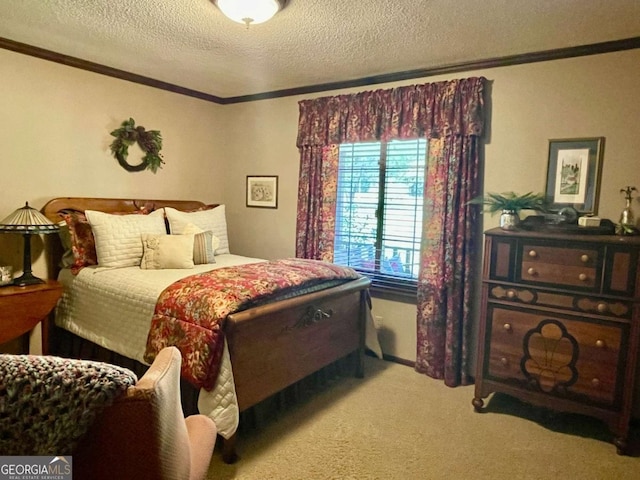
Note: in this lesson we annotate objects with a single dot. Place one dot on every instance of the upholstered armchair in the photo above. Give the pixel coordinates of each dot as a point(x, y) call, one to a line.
point(112, 424)
point(144, 435)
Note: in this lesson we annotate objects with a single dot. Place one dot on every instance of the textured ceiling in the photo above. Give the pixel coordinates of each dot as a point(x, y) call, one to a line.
point(189, 43)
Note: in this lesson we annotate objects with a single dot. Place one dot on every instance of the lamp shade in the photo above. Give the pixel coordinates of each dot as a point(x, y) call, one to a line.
point(249, 12)
point(27, 221)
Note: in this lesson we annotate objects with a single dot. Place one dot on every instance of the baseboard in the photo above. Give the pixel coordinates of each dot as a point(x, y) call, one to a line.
point(391, 358)
point(401, 361)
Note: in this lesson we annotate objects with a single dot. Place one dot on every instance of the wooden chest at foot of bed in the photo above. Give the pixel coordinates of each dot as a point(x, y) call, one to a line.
point(272, 347)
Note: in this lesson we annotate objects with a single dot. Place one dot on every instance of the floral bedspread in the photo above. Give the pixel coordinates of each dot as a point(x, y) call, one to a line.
point(190, 313)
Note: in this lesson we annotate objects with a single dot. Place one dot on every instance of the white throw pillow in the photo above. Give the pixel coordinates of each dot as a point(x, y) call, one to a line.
point(167, 251)
point(214, 220)
point(118, 238)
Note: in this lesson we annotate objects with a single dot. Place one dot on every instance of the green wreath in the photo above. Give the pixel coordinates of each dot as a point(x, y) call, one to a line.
point(149, 141)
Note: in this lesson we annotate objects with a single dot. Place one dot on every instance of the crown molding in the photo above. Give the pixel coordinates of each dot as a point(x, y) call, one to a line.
point(103, 69)
point(542, 56)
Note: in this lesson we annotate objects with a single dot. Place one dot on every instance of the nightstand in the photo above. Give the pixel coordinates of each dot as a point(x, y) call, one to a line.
point(22, 308)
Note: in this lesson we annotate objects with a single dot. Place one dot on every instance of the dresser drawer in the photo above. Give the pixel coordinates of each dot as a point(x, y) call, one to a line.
point(560, 265)
point(558, 355)
point(571, 302)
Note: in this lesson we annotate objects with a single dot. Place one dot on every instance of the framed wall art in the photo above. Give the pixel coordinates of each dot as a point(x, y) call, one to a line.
point(262, 191)
point(573, 174)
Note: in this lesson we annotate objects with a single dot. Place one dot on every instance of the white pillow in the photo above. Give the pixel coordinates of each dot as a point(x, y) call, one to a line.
point(214, 220)
point(118, 238)
point(167, 251)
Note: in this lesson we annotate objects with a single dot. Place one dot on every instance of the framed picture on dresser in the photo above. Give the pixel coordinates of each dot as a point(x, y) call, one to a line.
point(573, 174)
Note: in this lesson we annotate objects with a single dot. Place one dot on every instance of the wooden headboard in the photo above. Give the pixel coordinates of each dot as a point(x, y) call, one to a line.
point(53, 208)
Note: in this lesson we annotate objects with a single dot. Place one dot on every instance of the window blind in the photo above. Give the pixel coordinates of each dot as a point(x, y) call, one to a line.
point(379, 211)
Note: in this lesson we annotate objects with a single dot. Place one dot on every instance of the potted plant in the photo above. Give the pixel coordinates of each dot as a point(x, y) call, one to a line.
point(510, 204)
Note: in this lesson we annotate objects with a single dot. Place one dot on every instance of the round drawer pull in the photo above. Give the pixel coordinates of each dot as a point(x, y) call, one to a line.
point(507, 327)
point(585, 258)
point(583, 277)
point(600, 343)
point(511, 294)
point(602, 307)
point(532, 272)
point(504, 361)
point(595, 382)
point(533, 253)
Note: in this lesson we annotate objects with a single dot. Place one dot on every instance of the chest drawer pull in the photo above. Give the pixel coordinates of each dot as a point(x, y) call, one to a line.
point(600, 343)
point(585, 258)
point(602, 307)
point(532, 271)
point(595, 382)
point(511, 294)
point(533, 253)
point(583, 277)
point(507, 327)
point(504, 361)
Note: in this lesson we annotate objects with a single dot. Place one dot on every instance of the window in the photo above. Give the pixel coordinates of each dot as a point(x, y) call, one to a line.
point(379, 212)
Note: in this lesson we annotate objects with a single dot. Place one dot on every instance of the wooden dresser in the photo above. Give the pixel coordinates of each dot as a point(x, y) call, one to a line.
point(560, 323)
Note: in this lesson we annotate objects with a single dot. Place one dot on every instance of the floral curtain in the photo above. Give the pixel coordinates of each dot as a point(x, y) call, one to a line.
point(451, 115)
point(447, 259)
point(317, 195)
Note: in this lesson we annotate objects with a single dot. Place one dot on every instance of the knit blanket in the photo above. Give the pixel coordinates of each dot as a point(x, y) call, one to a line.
point(190, 313)
point(48, 403)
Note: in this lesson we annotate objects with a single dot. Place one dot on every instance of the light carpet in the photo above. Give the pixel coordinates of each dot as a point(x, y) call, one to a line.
point(398, 424)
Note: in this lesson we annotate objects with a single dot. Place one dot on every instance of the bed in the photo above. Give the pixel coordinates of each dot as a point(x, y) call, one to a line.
point(266, 347)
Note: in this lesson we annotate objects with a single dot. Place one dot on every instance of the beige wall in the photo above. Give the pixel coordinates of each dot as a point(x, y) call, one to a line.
point(263, 142)
point(55, 123)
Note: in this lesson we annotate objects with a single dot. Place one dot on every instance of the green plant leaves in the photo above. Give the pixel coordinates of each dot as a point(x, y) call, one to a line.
point(149, 141)
point(497, 202)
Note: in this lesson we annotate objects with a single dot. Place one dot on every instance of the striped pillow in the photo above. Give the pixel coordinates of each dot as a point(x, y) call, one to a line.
point(203, 248)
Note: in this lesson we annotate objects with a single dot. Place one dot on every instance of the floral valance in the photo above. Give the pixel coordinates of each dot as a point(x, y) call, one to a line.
point(431, 110)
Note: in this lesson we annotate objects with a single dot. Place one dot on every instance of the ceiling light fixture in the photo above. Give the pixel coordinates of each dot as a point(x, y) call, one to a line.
point(250, 12)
